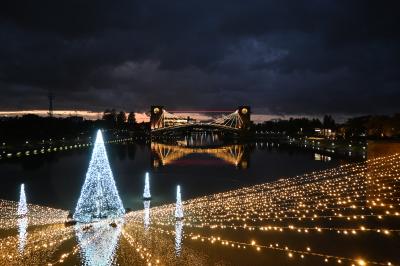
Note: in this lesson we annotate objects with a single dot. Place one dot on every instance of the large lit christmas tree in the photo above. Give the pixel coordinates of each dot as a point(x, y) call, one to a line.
point(99, 196)
point(22, 207)
point(146, 193)
point(178, 206)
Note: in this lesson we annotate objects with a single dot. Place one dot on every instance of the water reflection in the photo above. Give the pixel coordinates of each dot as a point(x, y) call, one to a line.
point(321, 157)
point(166, 154)
point(178, 237)
point(98, 241)
point(354, 206)
point(22, 233)
point(146, 215)
point(201, 139)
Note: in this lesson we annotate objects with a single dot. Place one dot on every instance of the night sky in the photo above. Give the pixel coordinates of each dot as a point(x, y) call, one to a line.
point(281, 57)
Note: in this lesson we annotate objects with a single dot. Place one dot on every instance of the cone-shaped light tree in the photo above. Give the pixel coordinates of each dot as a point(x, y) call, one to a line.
point(99, 196)
point(178, 206)
point(146, 193)
point(23, 220)
point(22, 207)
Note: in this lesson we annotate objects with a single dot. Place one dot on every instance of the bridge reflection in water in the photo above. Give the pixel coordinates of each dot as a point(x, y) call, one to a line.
point(166, 154)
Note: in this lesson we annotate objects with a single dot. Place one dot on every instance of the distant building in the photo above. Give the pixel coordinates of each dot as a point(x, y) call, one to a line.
point(325, 132)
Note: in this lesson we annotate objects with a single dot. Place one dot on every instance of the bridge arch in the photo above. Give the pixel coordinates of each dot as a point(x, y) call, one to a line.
point(162, 121)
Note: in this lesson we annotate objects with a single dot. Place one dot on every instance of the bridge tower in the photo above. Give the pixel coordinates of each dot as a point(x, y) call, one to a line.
point(244, 113)
point(156, 112)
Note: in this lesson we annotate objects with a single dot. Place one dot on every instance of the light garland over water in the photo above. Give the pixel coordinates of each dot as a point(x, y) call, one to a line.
point(99, 196)
point(349, 215)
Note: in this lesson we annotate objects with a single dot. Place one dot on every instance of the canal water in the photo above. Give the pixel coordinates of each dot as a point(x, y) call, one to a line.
point(56, 179)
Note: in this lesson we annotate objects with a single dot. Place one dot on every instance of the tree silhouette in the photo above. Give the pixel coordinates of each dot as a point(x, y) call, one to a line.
point(131, 118)
point(121, 119)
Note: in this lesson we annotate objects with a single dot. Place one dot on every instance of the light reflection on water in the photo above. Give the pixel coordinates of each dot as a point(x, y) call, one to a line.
point(146, 215)
point(178, 237)
point(55, 179)
point(201, 139)
point(167, 154)
point(98, 242)
point(22, 233)
point(346, 215)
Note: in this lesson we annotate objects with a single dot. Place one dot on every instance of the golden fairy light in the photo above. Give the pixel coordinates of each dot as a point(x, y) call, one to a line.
point(346, 204)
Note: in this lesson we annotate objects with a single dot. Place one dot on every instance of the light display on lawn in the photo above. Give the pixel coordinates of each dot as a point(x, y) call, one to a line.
point(286, 222)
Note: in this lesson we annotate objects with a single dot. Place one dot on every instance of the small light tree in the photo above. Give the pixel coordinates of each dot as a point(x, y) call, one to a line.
point(146, 193)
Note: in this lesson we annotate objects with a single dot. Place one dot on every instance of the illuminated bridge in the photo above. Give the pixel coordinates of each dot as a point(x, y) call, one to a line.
point(164, 154)
point(162, 121)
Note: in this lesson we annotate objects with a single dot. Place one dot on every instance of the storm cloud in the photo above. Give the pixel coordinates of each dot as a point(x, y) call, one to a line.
point(281, 57)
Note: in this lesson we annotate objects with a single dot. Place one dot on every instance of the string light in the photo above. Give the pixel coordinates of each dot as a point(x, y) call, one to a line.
point(343, 196)
point(341, 204)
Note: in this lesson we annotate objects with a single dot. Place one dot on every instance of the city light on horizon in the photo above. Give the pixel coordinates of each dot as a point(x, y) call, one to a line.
point(144, 117)
point(88, 115)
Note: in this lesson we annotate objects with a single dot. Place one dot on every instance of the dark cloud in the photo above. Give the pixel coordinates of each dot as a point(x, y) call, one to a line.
point(281, 57)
